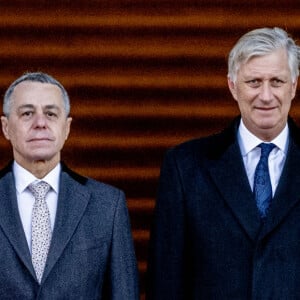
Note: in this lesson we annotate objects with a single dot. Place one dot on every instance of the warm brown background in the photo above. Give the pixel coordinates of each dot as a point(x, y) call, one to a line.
point(142, 76)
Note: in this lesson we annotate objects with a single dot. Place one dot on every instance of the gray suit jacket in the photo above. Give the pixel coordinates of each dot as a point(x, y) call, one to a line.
point(91, 254)
point(208, 241)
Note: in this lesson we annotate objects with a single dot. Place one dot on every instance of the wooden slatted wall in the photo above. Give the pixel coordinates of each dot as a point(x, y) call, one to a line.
point(142, 77)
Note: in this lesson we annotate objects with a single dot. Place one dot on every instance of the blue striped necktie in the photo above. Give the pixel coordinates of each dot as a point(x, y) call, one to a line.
point(262, 183)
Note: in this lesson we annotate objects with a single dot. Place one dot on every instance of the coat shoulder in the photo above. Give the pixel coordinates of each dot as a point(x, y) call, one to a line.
point(208, 147)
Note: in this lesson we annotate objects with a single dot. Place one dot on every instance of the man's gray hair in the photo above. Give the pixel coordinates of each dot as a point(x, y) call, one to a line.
point(34, 77)
point(260, 42)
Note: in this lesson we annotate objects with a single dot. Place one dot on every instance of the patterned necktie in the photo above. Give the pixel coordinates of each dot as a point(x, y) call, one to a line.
point(262, 182)
point(40, 228)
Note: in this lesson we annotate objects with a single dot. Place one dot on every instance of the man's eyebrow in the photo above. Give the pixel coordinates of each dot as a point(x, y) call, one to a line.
point(52, 106)
point(25, 106)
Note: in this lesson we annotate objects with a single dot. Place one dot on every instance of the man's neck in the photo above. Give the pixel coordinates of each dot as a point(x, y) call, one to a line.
point(39, 168)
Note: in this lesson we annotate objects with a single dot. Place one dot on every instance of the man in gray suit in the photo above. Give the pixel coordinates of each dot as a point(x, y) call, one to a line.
point(62, 236)
point(227, 222)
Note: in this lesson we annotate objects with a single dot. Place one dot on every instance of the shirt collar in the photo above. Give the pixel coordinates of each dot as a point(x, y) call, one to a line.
point(23, 177)
point(248, 141)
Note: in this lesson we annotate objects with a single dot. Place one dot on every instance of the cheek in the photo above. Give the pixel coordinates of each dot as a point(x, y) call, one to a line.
point(244, 103)
point(17, 133)
point(249, 97)
point(12, 132)
point(61, 136)
point(286, 106)
point(65, 130)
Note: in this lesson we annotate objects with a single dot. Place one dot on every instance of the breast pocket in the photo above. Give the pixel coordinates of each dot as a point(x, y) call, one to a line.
point(85, 244)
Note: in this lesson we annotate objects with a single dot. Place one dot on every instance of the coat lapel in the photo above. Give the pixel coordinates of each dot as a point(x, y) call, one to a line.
point(10, 221)
point(226, 168)
point(230, 177)
point(288, 191)
point(72, 202)
point(228, 172)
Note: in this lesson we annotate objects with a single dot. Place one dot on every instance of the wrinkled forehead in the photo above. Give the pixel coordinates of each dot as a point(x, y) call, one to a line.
point(27, 86)
point(280, 55)
point(34, 93)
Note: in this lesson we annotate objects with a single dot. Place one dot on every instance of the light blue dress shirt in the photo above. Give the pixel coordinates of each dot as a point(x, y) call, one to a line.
point(248, 143)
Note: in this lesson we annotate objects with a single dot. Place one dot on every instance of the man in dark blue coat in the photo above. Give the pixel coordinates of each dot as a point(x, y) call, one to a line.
point(74, 240)
point(227, 218)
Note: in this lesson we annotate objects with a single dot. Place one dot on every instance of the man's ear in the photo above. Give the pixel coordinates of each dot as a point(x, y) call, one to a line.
point(69, 121)
point(232, 87)
point(4, 123)
point(294, 87)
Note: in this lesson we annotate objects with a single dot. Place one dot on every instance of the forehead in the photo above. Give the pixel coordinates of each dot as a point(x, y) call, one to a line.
point(36, 93)
point(273, 63)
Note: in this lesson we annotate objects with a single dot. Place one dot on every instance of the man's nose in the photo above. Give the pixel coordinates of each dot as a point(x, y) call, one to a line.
point(266, 93)
point(40, 120)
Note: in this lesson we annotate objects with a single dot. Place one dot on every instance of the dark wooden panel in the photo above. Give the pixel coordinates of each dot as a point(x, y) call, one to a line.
point(142, 77)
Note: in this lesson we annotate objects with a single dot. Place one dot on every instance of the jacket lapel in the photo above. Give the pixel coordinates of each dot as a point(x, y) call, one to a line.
point(10, 221)
point(72, 202)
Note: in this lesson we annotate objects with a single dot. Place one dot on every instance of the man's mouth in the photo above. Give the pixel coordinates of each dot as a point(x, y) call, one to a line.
point(265, 108)
point(39, 139)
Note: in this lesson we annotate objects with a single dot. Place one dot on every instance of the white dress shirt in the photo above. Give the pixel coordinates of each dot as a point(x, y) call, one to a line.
point(26, 199)
point(251, 154)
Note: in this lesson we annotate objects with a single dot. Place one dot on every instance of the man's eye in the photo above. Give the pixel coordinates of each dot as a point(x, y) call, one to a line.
point(277, 82)
point(27, 113)
point(51, 114)
point(253, 82)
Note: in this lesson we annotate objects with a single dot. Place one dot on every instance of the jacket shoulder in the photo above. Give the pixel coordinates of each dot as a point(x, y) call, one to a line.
point(93, 185)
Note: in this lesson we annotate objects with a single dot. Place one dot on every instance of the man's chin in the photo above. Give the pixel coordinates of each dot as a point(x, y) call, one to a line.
point(268, 125)
point(40, 157)
point(267, 122)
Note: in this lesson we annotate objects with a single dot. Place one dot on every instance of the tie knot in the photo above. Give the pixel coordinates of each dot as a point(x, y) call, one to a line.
point(39, 190)
point(266, 148)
